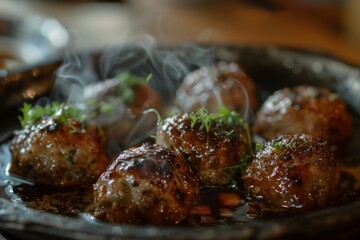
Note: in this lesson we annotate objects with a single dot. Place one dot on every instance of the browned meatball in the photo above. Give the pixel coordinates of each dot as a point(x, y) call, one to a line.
point(146, 185)
point(215, 145)
point(304, 109)
point(294, 172)
point(59, 154)
point(117, 105)
point(222, 84)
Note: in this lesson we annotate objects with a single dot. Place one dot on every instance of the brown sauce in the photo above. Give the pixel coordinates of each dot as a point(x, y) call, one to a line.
point(217, 205)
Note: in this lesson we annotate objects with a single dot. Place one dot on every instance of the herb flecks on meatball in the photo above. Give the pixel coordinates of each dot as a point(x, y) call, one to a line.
point(216, 145)
point(293, 172)
point(57, 147)
point(146, 185)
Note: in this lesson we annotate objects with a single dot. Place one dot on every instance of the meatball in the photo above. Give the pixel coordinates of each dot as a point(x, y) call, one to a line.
point(117, 105)
point(294, 173)
point(61, 154)
point(146, 185)
point(221, 84)
point(216, 146)
point(305, 109)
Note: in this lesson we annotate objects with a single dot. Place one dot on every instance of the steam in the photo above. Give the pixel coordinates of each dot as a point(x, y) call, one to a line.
point(216, 86)
point(72, 77)
point(168, 64)
point(137, 133)
point(80, 73)
point(246, 111)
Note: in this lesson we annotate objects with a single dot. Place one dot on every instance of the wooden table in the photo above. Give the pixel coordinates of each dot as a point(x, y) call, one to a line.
point(229, 21)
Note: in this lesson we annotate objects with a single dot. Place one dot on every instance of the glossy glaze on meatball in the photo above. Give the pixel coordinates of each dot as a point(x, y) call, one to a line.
point(213, 144)
point(146, 185)
point(305, 109)
point(60, 154)
point(294, 173)
point(221, 84)
point(116, 105)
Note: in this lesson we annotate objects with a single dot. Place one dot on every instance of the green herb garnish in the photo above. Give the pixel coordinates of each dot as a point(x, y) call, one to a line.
point(127, 79)
point(149, 77)
point(259, 146)
point(277, 145)
point(126, 82)
point(234, 171)
point(58, 111)
point(284, 146)
point(153, 110)
point(203, 117)
point(122, 93)
point(223, 117)
point(229, 119)
point(71, 156)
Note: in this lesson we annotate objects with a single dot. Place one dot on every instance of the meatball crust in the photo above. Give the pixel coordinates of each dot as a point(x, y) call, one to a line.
point(58, 154)
point(146, 185)
point(294, 172)
point(210, 153)
point(221, 84)
point(305, 109)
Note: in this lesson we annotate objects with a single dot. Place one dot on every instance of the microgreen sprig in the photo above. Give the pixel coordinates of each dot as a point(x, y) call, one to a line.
point(239, 169)
point(58, 111)
point(202, 116)
point(284, 146)
point(122, 93)
point(223, 117)
point(127, 79)
point(153, 110)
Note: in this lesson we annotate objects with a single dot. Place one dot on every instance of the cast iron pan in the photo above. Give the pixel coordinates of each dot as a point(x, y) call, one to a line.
point(270, 67)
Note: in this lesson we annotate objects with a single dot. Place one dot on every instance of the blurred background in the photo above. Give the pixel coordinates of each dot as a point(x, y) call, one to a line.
point(31, 30)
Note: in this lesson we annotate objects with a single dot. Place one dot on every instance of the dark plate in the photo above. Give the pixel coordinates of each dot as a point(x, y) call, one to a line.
point(271, 68)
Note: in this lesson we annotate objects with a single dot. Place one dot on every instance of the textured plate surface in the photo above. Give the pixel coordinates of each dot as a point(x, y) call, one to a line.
point(270, 67)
